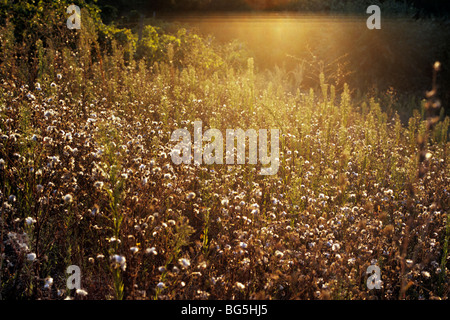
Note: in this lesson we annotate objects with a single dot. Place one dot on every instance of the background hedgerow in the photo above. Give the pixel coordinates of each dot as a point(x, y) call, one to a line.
point(87, 177)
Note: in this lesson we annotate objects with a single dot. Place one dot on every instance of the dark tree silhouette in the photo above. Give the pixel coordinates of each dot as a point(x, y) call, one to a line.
point(425, 7)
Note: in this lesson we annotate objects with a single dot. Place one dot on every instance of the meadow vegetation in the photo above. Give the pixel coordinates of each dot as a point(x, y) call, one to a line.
point(86, 176)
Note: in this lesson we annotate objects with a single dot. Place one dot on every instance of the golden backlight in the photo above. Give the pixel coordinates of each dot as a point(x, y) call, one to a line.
point(266, 4)
point(287, 39)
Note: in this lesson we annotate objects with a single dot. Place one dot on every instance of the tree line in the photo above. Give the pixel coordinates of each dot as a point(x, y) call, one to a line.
point(116, 8)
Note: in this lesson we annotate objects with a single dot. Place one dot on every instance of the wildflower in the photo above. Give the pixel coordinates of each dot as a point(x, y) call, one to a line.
point(48, 282)
point(30, 220)
point(81, 292)
point(224, 202)
point(162, 269)
point(34, 137)
point(53, 85)
point(254, 206)
point(190, 196)
point(119, 261)
point(239, 285)
point(2, 163)
point(39, 188)
point(243, 245)
point(151, 250)
point(134, 249)
point(114, 239)
point(184, 262)
point(335, 246)
point(68, 198)
point(59, 76)
point(95, 210)
point(31, 256)
point(279, 254)
point(161, 285)
point(12, 198)
point(98, 184)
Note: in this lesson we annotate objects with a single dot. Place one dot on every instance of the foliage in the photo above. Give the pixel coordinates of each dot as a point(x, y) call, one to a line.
point(86, 176)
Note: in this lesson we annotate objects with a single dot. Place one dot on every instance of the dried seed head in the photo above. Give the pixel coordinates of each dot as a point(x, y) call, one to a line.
point(68, 198)
point(437, 66)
